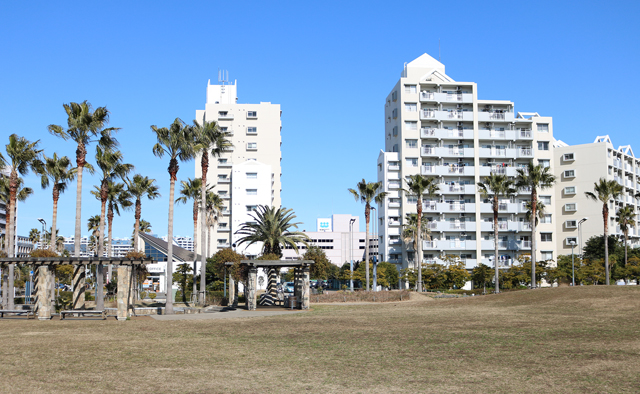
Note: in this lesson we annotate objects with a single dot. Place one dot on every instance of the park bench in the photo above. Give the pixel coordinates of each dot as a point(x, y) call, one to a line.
point(28, 312)
point(84, 313)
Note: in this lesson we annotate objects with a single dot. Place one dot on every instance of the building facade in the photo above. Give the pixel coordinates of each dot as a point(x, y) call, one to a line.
point(436, 126)
point(578, 168)
point(247, 174)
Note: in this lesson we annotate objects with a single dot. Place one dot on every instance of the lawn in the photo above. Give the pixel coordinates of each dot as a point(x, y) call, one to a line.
point(583, 339)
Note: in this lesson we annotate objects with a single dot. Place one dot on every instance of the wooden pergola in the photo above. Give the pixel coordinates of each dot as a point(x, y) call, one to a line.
point(272, 267)
point(43, 280)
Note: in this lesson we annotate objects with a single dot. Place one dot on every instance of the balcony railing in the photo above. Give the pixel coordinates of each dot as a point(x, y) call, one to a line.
point(428, 114)
point(428, 170)
point(428, 132)
point(454, 97)
point(499, 170)
point(456, 170)
point(456, 151)
point(502, 206)
point(456, 206)
point(496, 115)
point(426, 95)
point(455, 115)
point(525, 134)
point(428, 150)
point(429, 205)
point(525, 152)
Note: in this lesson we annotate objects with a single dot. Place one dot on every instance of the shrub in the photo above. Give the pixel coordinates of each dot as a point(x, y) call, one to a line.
point(152, 296)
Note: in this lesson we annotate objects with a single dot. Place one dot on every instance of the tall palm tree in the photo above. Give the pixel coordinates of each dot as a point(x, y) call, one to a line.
point(534, 177)
point(139, 187)
point(367, 192)
point(190, 190)
point(214, 206)
point(109, 160)
point(59, 240)
point(145, 226)
point(626, 217)
point(418, 185)
point(272, 227)
point(58, 170)
point(84, 127)
point(93, 226)
point(208, 138)
point(21, 195)
point(34, 236)
point(22, 155)
point(494, 187)
point(410, 230)
point(177, 142)
point(603, 191)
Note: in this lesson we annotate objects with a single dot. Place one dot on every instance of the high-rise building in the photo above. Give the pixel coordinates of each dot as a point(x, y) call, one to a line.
point(247, 174)
point(436, 126)
point(578, 168)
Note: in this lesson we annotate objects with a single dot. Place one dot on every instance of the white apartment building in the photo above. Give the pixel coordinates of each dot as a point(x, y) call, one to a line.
point(183, 242)
point(248, 174)
point(577, 168)
point(438, 127)
point(340, 238)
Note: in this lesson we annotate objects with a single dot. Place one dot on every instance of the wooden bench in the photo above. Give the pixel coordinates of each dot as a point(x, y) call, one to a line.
point(17, 311)
point(84, 312)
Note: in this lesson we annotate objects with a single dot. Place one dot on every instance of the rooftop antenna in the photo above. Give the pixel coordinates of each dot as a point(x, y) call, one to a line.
point(439, 55)
point(223, 76)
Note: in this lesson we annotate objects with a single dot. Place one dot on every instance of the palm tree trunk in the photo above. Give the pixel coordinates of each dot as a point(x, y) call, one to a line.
point(54, 219)
point(169, 270)
point(194, 292)
point(419, 242)
point(495, 242)
point(136, 228)
point(534, 207)
point(110, 244)
point(78, 230)
point(605, 216)
point(204, 164)
point(13, 188)
point(367, 213)
point(99, 273)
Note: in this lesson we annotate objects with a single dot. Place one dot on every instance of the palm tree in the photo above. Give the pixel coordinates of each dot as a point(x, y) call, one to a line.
point(214, 206)
point(34, 236)
point(178, 143)
point(22, 155)
point(603, 191)
point(110, 163)
point(410, 230)
point(58, 244)
point(272, 227)
point(534, 177)
point(208, 138)
point(145, 226)
point(625, 217)
point(191, 191)
point(493, 187)
point(84, 127)
point(418, 185)
point(93, 226)
point(367, 192)
point(21, 195)
point(139, 187)
point(58, 170)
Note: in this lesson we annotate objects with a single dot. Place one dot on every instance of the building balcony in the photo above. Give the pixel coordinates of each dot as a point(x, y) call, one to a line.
point(427, 114)
point(430, 151)
point(393, 205)
point(495, 116)
point(456, 245)
point(502, 207)
point(524, 134)
point(497, 135)
point(446, 97)
point(427, 132)
point(393, 167)
point(446, 225)
point(223, 229)
point(525, 153)
point(488, 170)
point(504, 225)
point(448, 170)
point(454, 115)
point(510, 244)
point(224, 180)
point(457, 189)
point(225, 116)
point(455, 207)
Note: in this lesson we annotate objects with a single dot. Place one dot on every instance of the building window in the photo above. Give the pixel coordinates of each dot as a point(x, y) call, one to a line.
point(546, 255)
point(394, 95)
point(252, 192)
point(411, 107)
point(543, 145)
point(395, 131)
point(252, 130)
point(222, 177)
point(222, 241)
point(252, 145)
point(394, 113)
point(570, 173)
point(546, 200)
point(572, 207)
point(544, 163)
point(412, 143)
point(252, 114)
point(252, 175)
point(412, 199)
point(410, 89)
point(546, 237)
point(251, 208)
point(222, 161)
point(570, 190)
point(412, 161)
point(568, 157)
point(571, 241)
point(546, 218)
point(543, 128)
point(395, 148)
point(411, 125)
point(571, 224)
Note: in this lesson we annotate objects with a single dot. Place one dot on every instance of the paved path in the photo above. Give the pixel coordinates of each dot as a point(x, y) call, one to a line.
point(238, 313)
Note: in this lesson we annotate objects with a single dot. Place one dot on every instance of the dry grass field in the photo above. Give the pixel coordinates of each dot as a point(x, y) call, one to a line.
point(566, 340)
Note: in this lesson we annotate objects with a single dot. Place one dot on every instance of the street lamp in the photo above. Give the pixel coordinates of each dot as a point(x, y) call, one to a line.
point(375, 262)
point(580, 234)
point(44, 224)
point(573, 272)
point(351, 251)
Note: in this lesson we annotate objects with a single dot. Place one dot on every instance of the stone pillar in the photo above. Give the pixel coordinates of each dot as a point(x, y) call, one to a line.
point(42, 290)
point(233, 301)
point(5, 286)
point(250, 291)
point(304, 298)
point(272, 283)
point(78, 287)
point(297, 285)
point(124, 276)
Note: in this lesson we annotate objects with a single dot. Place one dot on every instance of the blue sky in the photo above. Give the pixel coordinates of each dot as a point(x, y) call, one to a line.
point(329, 64)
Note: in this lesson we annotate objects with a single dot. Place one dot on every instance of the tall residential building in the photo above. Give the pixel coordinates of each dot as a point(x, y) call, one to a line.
point(438, 127)
point(577, 168)
point(248, 174)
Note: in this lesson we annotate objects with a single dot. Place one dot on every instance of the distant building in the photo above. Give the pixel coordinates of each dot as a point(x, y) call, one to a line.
point(24, 246)
point(183, 242)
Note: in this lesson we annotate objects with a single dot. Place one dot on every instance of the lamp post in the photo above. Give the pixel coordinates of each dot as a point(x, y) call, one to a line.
point(44, 224)
point(351, 251)
point(580, 234)
point(375, 262)
point(573, 272)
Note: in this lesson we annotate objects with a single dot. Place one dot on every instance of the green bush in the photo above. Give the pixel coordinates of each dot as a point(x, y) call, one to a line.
point(152, 296)
point(88, 296)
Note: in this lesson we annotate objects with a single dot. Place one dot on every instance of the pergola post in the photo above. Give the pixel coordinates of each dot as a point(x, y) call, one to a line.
point(124, 276)
point(297, 285)
point(250, 291)
point(271, 283)
point(43, 288)
point(304, 298)
point(78, 287)
point(232, 292)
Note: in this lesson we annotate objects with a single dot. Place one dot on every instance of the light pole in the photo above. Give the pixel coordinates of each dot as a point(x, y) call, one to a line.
point(351, 252)
point(44, 224)
point(580, 234)
point(375, 262)
point(573, 272)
